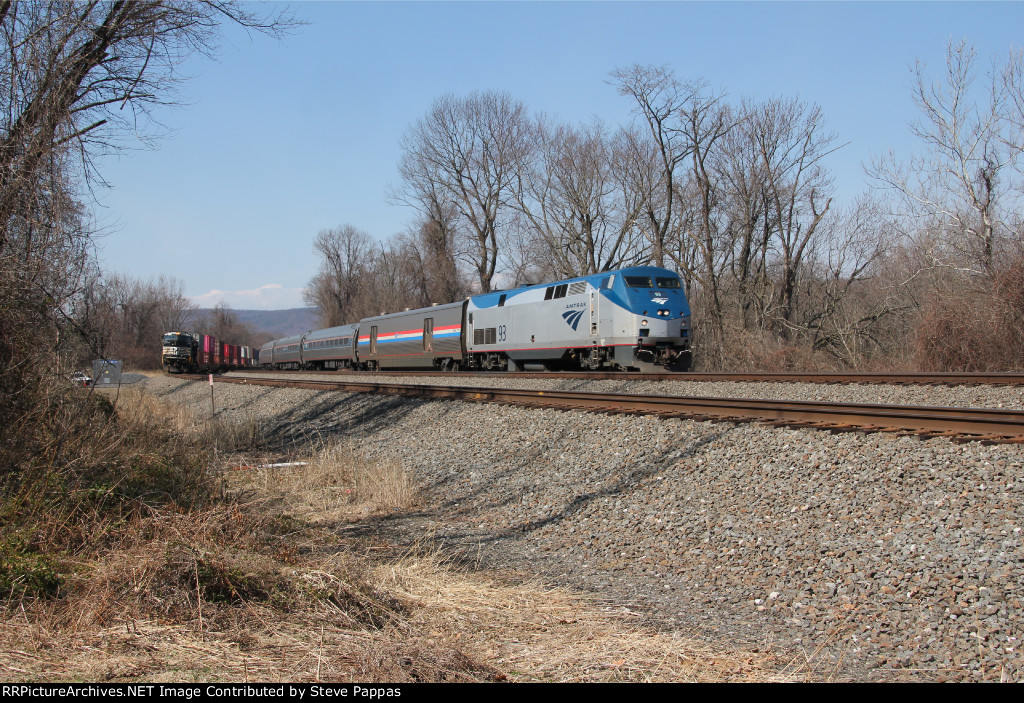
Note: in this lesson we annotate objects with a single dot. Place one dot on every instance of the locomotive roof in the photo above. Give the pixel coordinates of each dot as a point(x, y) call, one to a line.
point(488, 300)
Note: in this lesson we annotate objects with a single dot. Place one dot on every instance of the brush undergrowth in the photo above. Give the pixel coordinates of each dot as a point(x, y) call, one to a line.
point(106, 462)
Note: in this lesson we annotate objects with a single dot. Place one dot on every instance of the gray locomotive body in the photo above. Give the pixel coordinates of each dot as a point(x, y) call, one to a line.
point(636, 318)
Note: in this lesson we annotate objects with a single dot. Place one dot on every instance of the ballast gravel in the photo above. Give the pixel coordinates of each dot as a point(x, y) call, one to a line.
point(859, 556)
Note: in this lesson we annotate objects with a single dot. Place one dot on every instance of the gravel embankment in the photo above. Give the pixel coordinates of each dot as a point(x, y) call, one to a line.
point(864, 556)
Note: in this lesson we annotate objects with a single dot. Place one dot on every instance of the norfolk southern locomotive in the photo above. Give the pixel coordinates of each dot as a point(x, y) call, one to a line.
point(634, 319)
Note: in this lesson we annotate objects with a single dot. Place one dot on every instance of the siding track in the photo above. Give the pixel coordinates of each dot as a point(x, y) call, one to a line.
point(957, 424)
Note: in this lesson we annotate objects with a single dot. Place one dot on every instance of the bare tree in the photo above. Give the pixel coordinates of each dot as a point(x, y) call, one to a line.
point(687, 123)
point(742, 174)
point(467, 153)
point(844, 310)
point(792, 142)
point(583, 216)
point(70, 70)
point(967, 182)
point(75, 77)
point(121, 317)
point(429, 252)
point(338, 288)
point(174, 310)
point(223, 323)
point(660, 99)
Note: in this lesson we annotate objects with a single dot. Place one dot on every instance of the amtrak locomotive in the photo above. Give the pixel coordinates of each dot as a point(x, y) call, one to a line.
point(634, 319)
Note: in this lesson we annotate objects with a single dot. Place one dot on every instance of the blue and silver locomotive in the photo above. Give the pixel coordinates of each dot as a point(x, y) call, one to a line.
point(636, 318)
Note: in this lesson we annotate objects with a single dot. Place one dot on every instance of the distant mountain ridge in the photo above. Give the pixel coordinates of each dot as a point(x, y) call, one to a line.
point(278, 323)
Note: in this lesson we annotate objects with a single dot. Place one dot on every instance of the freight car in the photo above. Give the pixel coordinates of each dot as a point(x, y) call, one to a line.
point(635, 318)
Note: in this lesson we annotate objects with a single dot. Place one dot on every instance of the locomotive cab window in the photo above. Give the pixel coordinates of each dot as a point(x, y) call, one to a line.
point(638, 281)
point(175, 340)
point(668, 283)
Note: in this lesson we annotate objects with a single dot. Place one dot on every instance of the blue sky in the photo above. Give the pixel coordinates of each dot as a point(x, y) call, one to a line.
point(280, 139)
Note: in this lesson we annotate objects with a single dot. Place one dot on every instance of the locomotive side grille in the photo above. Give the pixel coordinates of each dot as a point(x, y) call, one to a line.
point(486, 336)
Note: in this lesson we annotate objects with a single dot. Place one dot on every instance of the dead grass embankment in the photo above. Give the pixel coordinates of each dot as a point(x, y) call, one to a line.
point(171, 566)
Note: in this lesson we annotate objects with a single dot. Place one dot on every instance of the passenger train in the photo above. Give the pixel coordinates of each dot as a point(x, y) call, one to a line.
point(635, 319)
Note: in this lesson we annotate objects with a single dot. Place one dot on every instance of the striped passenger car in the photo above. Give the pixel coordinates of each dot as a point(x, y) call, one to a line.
point(425, 338)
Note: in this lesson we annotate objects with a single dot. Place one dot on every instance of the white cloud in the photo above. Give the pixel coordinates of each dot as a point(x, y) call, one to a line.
point(272, 296)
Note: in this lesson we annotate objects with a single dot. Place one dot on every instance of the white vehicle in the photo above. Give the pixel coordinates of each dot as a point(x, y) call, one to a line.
point(80, 378)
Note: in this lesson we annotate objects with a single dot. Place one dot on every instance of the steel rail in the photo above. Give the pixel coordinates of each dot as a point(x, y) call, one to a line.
point(990, 425)
point(946, 379)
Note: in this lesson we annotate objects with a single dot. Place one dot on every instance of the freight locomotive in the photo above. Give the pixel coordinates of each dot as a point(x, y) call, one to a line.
point(635, 319)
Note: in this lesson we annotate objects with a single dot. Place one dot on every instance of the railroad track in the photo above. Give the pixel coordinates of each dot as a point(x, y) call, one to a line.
point(957, 424)
point(935, 379)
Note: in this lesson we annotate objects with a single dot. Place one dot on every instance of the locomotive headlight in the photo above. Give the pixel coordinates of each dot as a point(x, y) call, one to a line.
point(663, 313)
point(643, 323)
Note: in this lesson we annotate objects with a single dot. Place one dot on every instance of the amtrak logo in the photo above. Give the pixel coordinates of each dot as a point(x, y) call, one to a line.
point(572, 317)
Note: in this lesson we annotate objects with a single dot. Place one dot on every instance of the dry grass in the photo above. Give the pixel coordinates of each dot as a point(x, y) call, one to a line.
point(139, 411)
point(265, 584)
point(535, 633)
point(332, 481)
point(420, 620)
